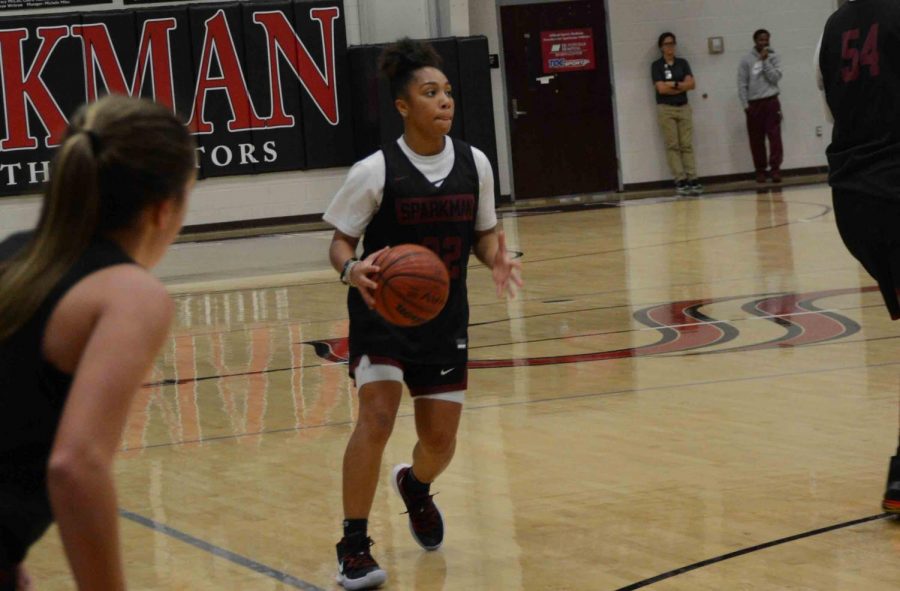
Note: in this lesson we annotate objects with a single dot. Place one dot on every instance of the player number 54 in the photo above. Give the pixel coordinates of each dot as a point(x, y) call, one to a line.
point(868, 56)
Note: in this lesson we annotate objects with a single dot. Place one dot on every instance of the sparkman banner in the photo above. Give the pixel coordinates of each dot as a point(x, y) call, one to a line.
point(265, 86)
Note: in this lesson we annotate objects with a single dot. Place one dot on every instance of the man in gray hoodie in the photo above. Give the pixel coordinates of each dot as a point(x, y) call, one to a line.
point(758, 77)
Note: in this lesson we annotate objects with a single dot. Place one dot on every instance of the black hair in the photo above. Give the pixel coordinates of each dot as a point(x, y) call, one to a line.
point(759, 32)
point(662, 39)
point(399, 62)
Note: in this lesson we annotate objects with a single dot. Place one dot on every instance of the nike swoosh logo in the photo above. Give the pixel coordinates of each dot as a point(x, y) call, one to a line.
point(446, 371)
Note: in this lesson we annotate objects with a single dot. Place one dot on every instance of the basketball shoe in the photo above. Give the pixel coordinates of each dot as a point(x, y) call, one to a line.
point(695, 187)
point(426, 524)
point(356, 567)
point(891, 502)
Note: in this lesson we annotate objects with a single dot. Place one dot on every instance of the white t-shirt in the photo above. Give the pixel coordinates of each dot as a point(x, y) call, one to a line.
point(357, 201)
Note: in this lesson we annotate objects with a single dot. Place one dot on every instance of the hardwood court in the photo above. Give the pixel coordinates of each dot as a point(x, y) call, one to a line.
point(679, 381)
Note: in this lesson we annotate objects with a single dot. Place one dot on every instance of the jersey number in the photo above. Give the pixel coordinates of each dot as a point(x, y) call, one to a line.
point(449, 248)
point(868, 56)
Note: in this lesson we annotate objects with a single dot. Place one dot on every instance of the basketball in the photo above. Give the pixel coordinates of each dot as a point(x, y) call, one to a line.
point(413, 284)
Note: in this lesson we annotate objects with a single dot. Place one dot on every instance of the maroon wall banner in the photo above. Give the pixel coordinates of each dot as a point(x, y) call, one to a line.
point(264, 86)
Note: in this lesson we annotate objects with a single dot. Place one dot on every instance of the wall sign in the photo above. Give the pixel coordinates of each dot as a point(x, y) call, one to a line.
point(261, 85)
point(568, 50)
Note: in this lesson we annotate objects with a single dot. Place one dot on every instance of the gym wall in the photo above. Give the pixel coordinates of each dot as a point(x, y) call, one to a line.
point(266, 87)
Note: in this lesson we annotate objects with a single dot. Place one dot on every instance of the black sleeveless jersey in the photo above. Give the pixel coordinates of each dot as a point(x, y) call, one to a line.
point(442, 219)
point(32, 394)
point(860, 64)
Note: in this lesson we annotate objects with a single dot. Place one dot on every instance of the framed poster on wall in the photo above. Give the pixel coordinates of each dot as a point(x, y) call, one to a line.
point(568, 50)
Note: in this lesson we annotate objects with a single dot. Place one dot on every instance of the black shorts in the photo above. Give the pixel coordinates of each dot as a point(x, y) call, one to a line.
point(7, 578)
point(22, 523)
point(421, 379)
point(870, 228)
point(8, 563)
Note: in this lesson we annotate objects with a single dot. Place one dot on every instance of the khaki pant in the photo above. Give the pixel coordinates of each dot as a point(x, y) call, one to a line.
point(677, 125)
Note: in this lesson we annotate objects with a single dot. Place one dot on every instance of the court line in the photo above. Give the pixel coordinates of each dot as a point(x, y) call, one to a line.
point(471, 407)
point(630, 306)
point(743, 551)
point(175, 382)
point(474, 267)
point(237, 559)
point(747, 319)
point(825, 211)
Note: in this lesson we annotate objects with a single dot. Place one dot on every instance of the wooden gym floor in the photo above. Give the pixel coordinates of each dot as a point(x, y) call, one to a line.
point(696, 394)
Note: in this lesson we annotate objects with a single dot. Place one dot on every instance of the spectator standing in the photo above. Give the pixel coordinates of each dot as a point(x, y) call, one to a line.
point(758, 77)
point(673, 78)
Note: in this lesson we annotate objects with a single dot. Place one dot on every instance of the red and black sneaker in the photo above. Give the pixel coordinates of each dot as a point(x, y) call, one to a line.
point(426, 524)
point(891, 502)
point(356, 567)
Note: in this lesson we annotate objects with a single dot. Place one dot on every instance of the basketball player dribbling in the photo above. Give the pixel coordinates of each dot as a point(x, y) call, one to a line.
point(81, 320)
point(859, 68)
point(379, 199)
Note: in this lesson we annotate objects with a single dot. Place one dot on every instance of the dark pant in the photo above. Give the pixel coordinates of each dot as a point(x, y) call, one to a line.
point(870, 229)
point(7, 570)
point(7, 579)
point(764, 121)
point(23, 521)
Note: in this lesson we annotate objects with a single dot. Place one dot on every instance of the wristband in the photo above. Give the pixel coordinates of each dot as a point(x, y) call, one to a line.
point(345, 273)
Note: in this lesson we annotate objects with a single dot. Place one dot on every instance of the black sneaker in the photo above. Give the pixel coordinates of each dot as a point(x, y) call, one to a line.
point(426, 524)
point(891, 502)
point(356, 567)
point(695, 187)
point(682, 188)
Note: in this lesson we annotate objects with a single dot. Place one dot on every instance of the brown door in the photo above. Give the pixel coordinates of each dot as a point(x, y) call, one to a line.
point(559, 98)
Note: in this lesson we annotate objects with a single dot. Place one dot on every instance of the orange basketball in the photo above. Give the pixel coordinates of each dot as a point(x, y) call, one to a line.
point(413, 285)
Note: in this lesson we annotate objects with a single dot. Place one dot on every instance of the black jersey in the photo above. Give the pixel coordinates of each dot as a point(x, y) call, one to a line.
point(660, 71)
point(13, 244)
point(32, 394)
point(860, 64)
point(442, 219)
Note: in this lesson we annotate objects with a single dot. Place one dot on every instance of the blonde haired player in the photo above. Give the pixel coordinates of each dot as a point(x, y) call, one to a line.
point(81, 320)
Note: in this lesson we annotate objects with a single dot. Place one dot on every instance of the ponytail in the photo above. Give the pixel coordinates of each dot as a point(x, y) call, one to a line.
point(400, 60)
point(102, 177)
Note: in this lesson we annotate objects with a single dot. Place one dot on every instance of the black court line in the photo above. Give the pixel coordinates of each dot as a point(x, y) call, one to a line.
point(476, 267)
point(179, 381)
point(220, 552)
point(665, 199)
point(468, 407)
point(826, 211)
point(741, 552)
